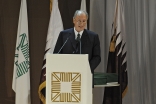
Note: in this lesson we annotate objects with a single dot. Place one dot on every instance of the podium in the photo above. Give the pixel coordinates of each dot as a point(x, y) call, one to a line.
point(68, 79)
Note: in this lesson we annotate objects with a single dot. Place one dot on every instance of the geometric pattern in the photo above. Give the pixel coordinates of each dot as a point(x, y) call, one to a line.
point(74, 78)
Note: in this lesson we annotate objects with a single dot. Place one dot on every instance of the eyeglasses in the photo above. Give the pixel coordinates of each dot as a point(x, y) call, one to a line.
point(81, 22)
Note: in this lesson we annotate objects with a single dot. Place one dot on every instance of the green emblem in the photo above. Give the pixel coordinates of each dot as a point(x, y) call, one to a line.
point(22, 55)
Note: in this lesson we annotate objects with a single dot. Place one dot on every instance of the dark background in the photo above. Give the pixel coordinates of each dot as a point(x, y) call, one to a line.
point(38, 21)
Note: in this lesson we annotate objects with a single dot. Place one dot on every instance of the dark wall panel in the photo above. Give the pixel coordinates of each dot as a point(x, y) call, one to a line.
point(38, 13)
point(38, 21)
point(9, 17)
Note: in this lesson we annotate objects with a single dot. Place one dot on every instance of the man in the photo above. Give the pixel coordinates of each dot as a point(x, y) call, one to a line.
point(78, 40)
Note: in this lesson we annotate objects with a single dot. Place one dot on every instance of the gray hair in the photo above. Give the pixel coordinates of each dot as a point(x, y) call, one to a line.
point(79, 12)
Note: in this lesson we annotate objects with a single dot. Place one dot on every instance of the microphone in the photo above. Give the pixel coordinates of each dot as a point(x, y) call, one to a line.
point(63, 44)
point(80, 45)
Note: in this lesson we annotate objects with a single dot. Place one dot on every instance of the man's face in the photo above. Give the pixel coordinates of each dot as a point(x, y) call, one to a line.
point(80, 22)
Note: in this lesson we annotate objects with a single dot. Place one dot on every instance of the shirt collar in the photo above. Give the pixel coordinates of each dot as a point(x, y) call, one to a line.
point(81, 32)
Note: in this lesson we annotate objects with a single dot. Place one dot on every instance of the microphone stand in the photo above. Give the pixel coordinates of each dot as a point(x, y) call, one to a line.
point(63, 45)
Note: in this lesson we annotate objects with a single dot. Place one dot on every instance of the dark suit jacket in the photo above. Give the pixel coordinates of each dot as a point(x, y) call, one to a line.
point(89, 42)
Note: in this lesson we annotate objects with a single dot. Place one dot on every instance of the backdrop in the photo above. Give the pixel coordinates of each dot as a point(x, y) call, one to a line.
point(140, 21)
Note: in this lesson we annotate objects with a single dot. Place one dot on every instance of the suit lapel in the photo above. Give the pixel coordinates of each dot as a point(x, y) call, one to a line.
point(84, 38)
point(72, 38)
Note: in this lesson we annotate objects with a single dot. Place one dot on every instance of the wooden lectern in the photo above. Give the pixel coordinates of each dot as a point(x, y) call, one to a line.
point(68, 79)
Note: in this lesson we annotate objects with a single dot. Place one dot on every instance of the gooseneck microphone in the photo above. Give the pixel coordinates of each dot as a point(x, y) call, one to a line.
point(63, 44)
point(80, 45)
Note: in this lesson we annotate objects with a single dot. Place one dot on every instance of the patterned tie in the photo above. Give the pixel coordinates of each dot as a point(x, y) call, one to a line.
point(78, 44)
point(78, 37)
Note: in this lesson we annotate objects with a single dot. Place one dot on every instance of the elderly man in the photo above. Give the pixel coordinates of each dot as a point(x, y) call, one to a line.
point(79, 40)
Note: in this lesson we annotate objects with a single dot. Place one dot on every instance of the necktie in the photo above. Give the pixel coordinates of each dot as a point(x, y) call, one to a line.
point(78, 37)
point(78, 44)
